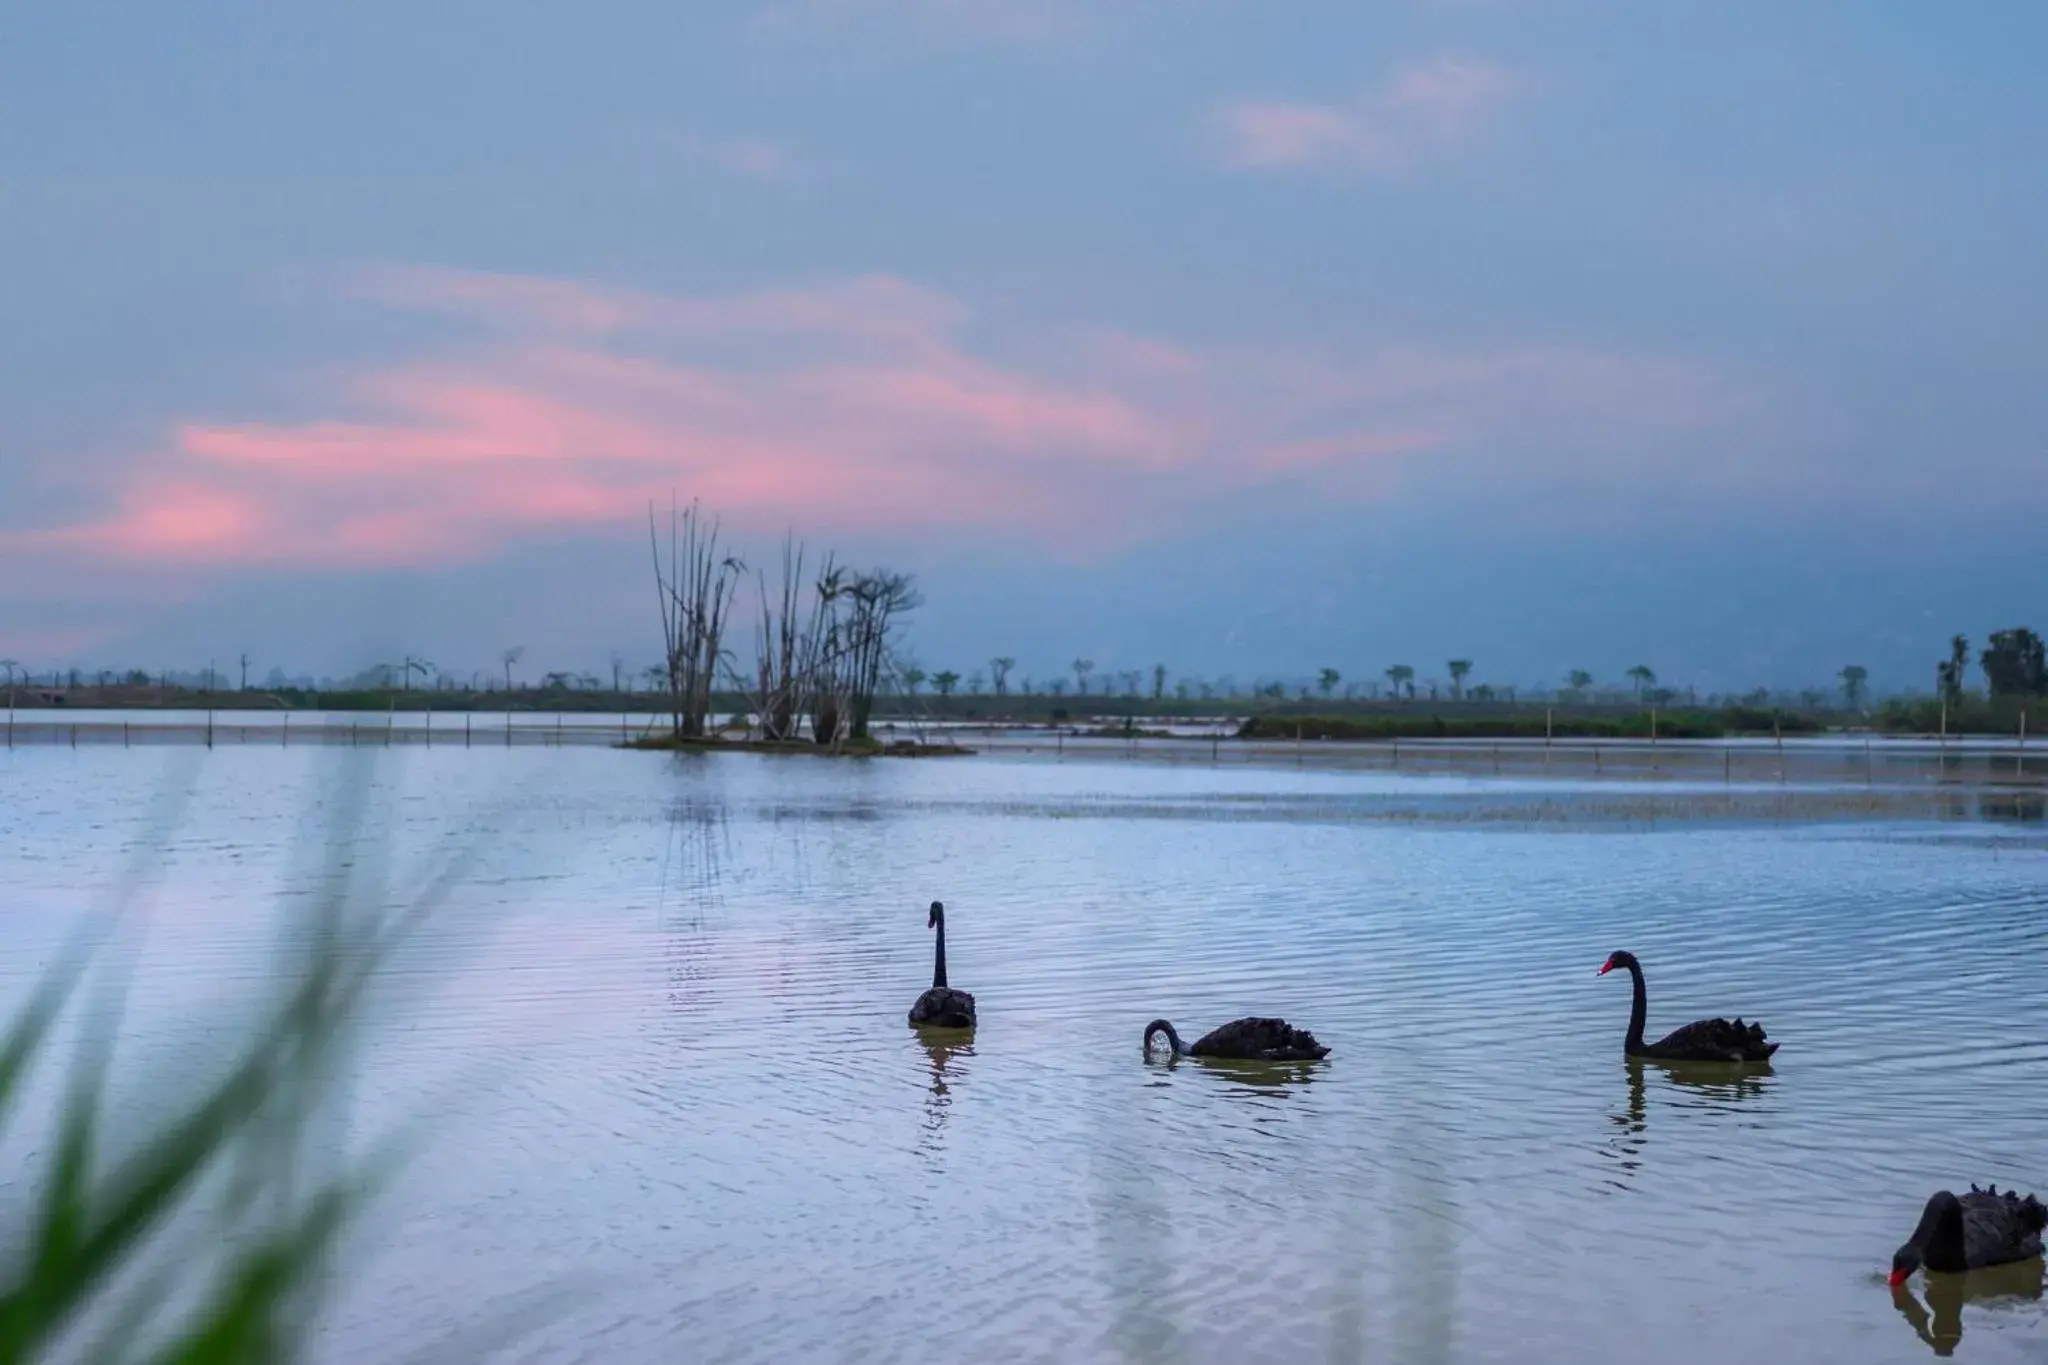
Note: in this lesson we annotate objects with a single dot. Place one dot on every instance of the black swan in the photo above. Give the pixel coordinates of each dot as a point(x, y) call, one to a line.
point(942, 1006)
point(1250, 1040)
point(1703, 1040)
point(1962, 1233)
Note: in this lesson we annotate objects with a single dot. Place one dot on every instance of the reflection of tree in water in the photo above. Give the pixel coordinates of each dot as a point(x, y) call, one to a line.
point(941, 1051)
point(1946, 1295)
point(692, 887)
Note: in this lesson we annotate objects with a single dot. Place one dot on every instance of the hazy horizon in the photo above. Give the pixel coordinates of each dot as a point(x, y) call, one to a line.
point(1573, 337)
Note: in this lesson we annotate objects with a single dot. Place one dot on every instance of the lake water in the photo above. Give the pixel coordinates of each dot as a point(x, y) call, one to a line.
point(658, 1033)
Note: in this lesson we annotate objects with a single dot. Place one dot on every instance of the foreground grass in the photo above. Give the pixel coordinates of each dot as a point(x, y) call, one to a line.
point(206, 1238)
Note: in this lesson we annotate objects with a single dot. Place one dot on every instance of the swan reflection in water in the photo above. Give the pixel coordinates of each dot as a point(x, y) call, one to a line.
point(942, 1048)
point(1993, 1286)
point(1698, 1085)
point(1249, 1080)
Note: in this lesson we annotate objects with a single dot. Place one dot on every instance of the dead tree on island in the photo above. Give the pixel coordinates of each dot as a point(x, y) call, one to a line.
point(696, 594)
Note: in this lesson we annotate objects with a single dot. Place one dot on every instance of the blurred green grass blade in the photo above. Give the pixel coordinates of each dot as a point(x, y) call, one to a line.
point(245, 1323)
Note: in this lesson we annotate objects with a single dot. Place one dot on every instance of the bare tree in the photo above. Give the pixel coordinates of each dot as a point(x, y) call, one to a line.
point(509, 658)
point(696, 595)
point(1158, 682)
point(784, 660)
point(415, 664)
point(10, 665)
point(245, 671)
point(1082, 668)
point(999, 673)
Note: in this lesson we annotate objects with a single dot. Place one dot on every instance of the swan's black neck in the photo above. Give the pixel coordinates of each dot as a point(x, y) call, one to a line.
point(939, 957)
point(1638, 1012)
point(1172, 1038)
point(1939, 1238)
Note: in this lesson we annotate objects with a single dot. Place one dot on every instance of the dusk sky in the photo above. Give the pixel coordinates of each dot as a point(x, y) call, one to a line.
point(1244, 337)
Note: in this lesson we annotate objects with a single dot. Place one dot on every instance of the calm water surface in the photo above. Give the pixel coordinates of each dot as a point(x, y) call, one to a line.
point(658, 1032)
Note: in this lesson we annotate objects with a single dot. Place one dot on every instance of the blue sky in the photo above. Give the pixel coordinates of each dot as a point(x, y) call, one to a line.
point(1249, 338)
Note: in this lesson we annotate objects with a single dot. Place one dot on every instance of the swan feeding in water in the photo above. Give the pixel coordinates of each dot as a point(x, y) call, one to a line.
point(941, 1006)
point(1965, 1232)
point(1703, 1040)
point(1250, 1040)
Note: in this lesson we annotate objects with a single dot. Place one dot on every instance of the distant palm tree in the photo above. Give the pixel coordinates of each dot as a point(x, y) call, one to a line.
point(1459, 668)
point(1328, 680)
point(1082, 668)
point(945, 681)
point(913, 678)
point(1402, 676)
point(1580, 680)
point(1644, 678)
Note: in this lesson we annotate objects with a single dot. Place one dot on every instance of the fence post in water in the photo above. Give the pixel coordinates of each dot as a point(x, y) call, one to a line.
point(430, 727)
point(74, 734)
point(465, 729)
point(558, 729)
point(124, 734)
point(285, 738)
point(2019, 762)
point(1727, 764)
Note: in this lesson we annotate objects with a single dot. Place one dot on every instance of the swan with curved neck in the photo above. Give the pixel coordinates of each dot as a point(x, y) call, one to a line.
point(1251, 1040)
point(1703, 1040)
point(941, 1006)
point(1966, 1232)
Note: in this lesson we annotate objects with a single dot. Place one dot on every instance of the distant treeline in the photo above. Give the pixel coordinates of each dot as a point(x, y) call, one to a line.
point(1527, 722)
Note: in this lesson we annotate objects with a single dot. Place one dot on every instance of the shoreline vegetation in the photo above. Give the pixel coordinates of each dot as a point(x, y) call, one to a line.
point(830, 664)
point(1123, 716)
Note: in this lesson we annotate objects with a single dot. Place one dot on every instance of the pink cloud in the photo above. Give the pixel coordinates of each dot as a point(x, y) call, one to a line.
point(857, 404)
point(1424, 110)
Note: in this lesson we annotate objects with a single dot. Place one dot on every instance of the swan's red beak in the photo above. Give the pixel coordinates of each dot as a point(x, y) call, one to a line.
point(1897, 1277)
point(1605, 968)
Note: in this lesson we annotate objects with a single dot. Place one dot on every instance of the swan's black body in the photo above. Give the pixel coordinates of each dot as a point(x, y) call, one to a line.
point(1965, 1232)
point(1703, 1040)
point(1251, 1040)
point(942, 1006)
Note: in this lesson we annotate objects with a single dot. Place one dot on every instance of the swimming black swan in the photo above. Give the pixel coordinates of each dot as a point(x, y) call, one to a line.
point(1980, 1228)
point(942, 1006)
point(1250, 1040)
point(1703, 1040)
